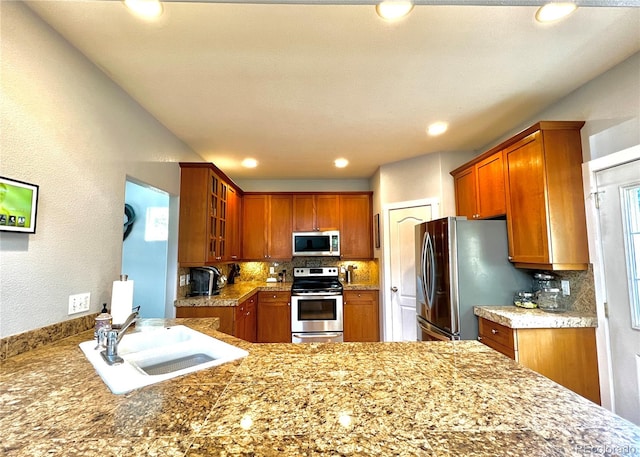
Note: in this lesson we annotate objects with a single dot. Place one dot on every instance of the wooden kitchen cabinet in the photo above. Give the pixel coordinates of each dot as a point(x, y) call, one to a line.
point(226, 314)
point(239, 321)
point(266, 226)
point(203, 228)
point(545, 206)
point(356, 223)
point(246, 319)
point(234, 214)
point(480, 188)
point(274, 317)
point(313, 212)
point(361, 315)
point(565, 355)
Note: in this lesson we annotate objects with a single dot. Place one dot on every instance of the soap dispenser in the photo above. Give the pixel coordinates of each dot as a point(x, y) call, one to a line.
point(103, 320)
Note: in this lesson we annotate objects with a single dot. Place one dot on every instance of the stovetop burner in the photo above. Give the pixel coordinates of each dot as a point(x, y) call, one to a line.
point(314, 280)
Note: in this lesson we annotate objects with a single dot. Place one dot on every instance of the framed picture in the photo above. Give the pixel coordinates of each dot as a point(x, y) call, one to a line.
point(18, 206)
point(376, 230)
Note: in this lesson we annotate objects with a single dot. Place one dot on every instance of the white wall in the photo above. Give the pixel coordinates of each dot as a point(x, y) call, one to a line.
point(70, 129)
point(610, 105)
point(422, 177)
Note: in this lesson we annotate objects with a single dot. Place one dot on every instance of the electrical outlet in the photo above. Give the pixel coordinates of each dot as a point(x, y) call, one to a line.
point(565, 287)
point(79, 303)
point(188, 279)
point(272, 270)
point(183, 280)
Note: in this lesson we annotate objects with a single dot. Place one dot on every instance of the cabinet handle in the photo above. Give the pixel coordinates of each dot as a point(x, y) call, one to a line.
point(479, 338)
point(494, 331)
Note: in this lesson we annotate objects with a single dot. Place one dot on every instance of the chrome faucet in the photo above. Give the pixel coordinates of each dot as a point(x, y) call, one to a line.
point(109, 338)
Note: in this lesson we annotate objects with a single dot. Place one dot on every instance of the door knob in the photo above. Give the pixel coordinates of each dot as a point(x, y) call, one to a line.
point(394, 289)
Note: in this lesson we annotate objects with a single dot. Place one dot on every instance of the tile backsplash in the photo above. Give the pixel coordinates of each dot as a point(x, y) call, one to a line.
point(366, 272)
point(582, 296)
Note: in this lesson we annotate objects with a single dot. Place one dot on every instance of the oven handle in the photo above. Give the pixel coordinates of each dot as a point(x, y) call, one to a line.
point(315, 294)
point(315, 335)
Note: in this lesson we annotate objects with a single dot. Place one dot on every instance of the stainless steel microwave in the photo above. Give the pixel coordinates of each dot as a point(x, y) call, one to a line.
point(316, 244)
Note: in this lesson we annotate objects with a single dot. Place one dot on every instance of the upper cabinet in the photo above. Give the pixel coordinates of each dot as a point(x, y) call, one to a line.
point(480, 189)
point(203, 235)
point(234, 215)
point(313, 212)
point(545, 206)
point(356, 226)
point(266, 227)
point(535, 178)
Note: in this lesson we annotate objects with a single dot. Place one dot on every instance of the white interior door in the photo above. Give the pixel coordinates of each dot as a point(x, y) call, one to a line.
point(619, 220)
point(402, 222)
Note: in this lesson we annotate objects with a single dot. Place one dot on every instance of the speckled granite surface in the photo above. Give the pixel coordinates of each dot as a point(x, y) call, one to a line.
point(233, 294)
point(26, 341)
point(350, 399)
point(515, 317)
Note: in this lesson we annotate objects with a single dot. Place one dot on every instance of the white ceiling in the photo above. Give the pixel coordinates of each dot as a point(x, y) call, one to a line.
point(296, 86)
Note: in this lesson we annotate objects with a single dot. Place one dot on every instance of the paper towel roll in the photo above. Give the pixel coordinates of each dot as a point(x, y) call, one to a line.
point(121, 301)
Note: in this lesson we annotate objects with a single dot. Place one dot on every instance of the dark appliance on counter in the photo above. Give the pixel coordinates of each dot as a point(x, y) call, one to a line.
point(205, 281)
point(316, 244)
point(460, 264)
point(234, 272)
point(316, 305)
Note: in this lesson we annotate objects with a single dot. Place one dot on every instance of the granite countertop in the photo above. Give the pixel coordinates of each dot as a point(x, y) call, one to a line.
point(515, 317)
point(350, 399)
point(234, 294)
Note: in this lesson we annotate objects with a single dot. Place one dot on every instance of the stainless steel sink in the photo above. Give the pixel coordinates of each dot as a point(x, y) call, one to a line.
point(152, 356)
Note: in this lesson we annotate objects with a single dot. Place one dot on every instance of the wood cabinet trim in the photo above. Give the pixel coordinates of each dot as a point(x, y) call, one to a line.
point(542, 125)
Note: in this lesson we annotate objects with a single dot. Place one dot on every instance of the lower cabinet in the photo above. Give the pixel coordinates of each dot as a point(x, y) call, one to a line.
point(361, 315)
point(246, 319)
point(239, 321)
point(274, 317)
point(565, 355)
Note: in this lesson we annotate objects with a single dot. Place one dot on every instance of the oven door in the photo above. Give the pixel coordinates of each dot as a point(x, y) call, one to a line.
point(317, 313)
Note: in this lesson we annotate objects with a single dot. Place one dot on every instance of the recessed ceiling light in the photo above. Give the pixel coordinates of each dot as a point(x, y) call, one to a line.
point(392, 10)
point(249, 163)
point(146, 9)
point(554, 11)
point(341, 163)
point(437, 128)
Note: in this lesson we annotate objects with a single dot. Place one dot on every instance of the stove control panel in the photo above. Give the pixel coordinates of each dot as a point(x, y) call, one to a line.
point(304, 272)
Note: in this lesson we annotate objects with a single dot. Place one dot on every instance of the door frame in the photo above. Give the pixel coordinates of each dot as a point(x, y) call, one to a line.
point(594, 237)
point(387, 323)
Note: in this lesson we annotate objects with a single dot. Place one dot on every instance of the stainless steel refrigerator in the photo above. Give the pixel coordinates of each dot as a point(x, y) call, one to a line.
point(460, 264)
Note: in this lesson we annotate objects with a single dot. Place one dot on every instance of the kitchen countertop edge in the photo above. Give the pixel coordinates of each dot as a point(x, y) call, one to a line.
point(515, 317)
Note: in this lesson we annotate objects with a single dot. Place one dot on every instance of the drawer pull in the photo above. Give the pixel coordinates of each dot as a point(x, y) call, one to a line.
point(494, 331)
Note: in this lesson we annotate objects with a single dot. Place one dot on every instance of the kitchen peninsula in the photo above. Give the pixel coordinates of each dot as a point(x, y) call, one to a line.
point(425, 398)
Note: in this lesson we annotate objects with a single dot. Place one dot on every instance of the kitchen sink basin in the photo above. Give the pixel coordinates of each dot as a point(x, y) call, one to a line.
point(152, 356)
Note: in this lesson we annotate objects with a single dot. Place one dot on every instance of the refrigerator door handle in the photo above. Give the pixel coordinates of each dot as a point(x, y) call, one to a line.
point(429, 266)
point(423, 265)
